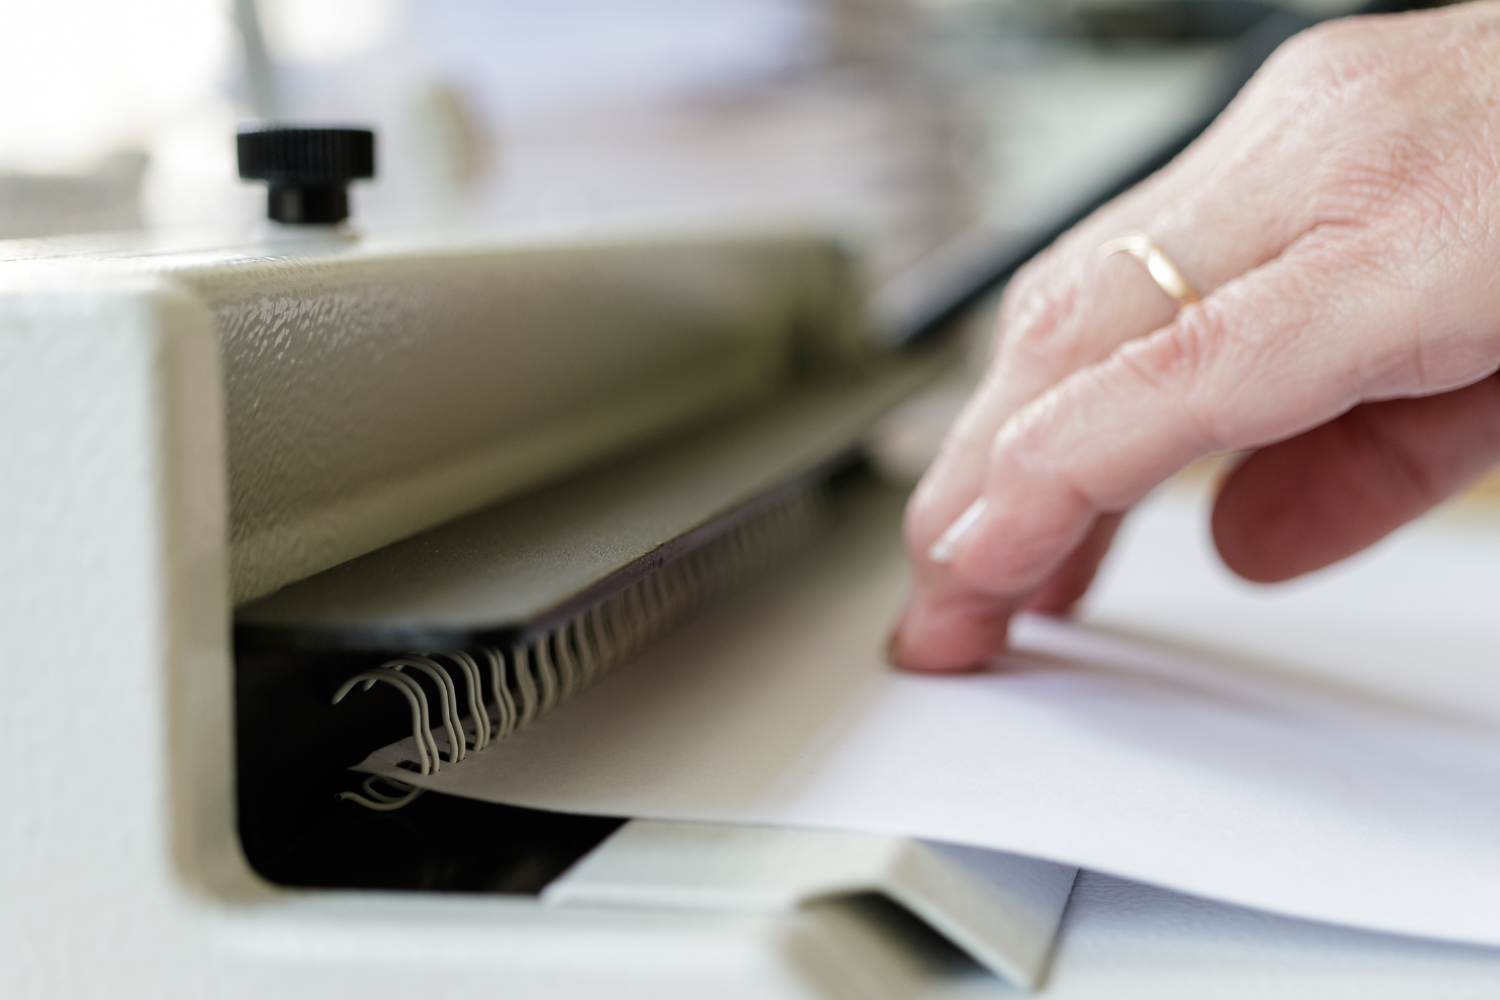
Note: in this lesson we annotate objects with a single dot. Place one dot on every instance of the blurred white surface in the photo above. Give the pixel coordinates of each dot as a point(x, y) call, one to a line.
point(1126, 941)
point(1410, 622)
point(896, 123)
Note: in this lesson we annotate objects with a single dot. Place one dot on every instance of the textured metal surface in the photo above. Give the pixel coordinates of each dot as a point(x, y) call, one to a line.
point(371, 398)
point(376, 389)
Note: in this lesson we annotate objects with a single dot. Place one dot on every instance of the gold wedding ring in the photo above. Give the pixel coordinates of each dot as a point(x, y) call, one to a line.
point(1167, 275)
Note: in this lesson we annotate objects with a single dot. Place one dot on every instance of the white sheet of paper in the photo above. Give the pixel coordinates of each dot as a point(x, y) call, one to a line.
point(1301, 787)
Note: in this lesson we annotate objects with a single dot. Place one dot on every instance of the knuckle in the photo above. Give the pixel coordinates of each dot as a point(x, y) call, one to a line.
point(1335, 78)
point(1167, 359)
point(1173, 364)
point(1332, 55)
point(1023, 438)
point(1035, 308)
point(1346, 96)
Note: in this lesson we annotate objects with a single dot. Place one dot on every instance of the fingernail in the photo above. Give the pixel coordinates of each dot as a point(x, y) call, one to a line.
point(945, 548)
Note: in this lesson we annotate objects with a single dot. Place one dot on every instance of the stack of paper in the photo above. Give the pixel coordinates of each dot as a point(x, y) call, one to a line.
point(1266, 767)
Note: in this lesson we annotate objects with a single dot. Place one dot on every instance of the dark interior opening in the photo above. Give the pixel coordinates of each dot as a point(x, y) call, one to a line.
point(294, 750)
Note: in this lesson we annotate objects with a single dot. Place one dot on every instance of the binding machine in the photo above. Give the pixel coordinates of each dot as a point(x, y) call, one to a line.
point(445, 483)
point(270, 504)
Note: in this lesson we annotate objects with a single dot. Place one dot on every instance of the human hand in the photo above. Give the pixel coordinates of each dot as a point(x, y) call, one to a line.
point(1342, 222)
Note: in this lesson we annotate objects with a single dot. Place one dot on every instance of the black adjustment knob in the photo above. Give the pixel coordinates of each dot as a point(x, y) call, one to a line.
point(308, 169)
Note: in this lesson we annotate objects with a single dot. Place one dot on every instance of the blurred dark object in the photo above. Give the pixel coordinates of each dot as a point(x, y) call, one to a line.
point(308, 169)
point(1172, 20)
point(1187, 20)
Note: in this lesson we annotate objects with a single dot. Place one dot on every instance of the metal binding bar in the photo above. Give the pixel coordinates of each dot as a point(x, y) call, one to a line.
point(562, 661)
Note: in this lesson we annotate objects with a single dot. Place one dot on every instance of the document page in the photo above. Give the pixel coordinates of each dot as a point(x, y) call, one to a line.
point(1141, 741)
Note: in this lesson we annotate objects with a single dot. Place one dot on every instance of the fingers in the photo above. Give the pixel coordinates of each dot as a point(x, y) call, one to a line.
point(1305, 503)
point(1236, 371)
point(1070, 308)
point(1068, 583)
point(949, 626)
point(1106, 435)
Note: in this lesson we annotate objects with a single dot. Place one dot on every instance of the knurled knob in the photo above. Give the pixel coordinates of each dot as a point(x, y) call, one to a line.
point(308, 169)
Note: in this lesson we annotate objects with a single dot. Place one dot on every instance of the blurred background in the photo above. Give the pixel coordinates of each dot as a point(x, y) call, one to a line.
point(899, 123)
point(912, 128)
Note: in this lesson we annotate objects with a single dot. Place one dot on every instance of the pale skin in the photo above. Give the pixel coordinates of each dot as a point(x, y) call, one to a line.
point(1342, 222)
